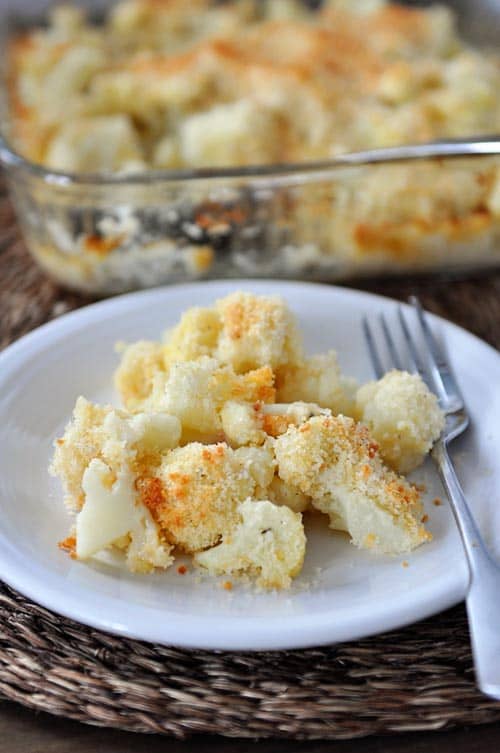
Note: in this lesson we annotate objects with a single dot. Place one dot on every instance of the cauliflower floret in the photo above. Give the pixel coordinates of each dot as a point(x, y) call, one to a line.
point(197, 391)
point(335, 461)
point(277, 417)
point(110, 512)
point(141, 372)
point(257, 331)
point(244, 423)
point(96, 144)
point(241, 423)
point(318, 380)
point(237, 133)
point(403, 416)
point(68, 78)
point(196, 335)
point(288, 495)
point(112, 436)
point(194, 391)
point(269, 544)
point(259, 462)
point(194, 495)
point(82, 441)
point(244, 330)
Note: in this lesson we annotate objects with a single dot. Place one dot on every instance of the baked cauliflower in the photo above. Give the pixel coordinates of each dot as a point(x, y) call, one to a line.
point(229, 433)
point(336, 462)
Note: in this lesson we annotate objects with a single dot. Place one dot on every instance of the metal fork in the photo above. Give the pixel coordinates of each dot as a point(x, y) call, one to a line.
point(483, 596)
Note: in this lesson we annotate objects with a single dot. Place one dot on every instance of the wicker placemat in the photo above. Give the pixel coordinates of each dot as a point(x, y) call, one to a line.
point(419, 678)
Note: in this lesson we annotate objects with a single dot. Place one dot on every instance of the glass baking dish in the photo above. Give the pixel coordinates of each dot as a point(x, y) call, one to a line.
point(431, 207)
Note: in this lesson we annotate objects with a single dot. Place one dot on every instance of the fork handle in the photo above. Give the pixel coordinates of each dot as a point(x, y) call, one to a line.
point(482, 600)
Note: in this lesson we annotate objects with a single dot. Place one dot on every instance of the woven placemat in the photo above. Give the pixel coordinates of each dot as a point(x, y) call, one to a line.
point(419, 678)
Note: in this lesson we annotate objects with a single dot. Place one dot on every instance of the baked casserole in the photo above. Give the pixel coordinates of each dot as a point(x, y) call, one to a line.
point(164, 87)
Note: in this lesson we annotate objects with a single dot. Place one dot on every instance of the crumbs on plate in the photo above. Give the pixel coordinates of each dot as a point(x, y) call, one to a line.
point(228, 436)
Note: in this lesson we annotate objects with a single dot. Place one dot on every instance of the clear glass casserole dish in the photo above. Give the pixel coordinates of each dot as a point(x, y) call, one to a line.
point(391, 211)
point(374, 213)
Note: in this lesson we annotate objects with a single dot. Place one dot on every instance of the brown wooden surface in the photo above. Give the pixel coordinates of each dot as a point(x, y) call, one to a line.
point(27, 299)
point(23, 731)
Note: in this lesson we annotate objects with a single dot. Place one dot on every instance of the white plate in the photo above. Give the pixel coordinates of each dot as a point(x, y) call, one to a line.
point(354, 594)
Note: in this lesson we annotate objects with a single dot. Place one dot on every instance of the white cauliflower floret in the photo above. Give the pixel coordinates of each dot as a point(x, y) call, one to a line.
point(194, 393)
point(244, 423)
point(256, 331)
point(111, 511)
point(96, 144)
point(268, 544)
point(318, 380)
point(195, 494)
point(288, 495)
point(244, 330)
point(277, 417)
point(241, 423)
point(236, 133)
point(335, 461)
point(142, 369)
point(403, 416)
point(259, 462)
point(196, 335)
point(118, 439)
point(198, 391)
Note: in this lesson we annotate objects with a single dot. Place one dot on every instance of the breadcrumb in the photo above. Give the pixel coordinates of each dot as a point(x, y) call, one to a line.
point(69, 545)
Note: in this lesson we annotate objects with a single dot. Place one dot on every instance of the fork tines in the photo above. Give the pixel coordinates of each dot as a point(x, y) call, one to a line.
point(422, 354)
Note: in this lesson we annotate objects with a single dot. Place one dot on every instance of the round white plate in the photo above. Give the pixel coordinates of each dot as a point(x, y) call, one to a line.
point(342, 593)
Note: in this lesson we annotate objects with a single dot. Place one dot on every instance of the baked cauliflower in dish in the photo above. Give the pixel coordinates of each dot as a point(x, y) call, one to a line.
point(176, 85)
point(207, 84)
point(229, 436)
